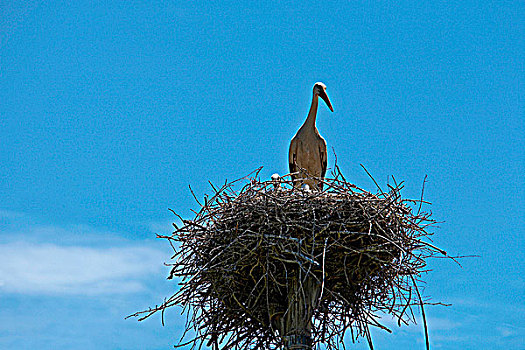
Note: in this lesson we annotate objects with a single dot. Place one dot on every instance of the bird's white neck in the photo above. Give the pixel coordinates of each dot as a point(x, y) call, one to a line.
point(312, 114)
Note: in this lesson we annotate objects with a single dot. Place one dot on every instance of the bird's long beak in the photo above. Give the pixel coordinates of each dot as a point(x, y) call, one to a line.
point(324, 96)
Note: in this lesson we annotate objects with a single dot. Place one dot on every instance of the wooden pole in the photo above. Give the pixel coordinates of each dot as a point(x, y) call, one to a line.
point(296, 329)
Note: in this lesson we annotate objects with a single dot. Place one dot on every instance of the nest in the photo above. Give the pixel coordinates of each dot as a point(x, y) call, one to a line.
point(259, 253)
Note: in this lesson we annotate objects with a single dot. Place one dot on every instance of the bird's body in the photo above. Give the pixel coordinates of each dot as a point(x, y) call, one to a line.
point(308, 152)
point(307, 156)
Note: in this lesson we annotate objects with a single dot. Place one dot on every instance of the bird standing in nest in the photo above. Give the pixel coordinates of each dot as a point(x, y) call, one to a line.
point(307, 156)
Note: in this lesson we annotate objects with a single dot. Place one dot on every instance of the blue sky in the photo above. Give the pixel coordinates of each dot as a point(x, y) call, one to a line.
point(109, 111)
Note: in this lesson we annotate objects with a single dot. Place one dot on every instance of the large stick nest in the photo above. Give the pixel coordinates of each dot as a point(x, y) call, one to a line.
point(236, 258)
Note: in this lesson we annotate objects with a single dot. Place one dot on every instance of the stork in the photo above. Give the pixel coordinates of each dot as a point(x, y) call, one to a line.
point(307, 155)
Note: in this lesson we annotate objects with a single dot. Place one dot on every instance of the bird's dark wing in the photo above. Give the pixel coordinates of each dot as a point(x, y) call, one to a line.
point(293, 165)
point(292, 159)
point(324, 163)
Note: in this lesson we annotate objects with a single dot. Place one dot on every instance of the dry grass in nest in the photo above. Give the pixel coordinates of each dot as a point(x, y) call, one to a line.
point(236, 260)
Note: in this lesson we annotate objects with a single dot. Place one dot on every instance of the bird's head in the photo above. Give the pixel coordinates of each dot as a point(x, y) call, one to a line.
point(320, 90)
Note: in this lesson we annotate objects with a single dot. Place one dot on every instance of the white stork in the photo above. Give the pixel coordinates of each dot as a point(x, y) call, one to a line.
point(307, 155)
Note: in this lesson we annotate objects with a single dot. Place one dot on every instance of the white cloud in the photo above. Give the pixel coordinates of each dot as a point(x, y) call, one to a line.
point(162, 227)
point(10, 214)
point(436, 323)
point(32, 268)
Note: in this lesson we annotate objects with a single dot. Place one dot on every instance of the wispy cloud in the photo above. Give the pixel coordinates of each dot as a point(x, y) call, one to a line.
point(10, 214)
point(31, 268)
point(164, 227)
point(73, 259)
point(437, 323)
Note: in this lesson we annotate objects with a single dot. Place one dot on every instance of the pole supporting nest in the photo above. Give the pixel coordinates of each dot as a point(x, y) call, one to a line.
point(298, 342)
point(296, 325)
